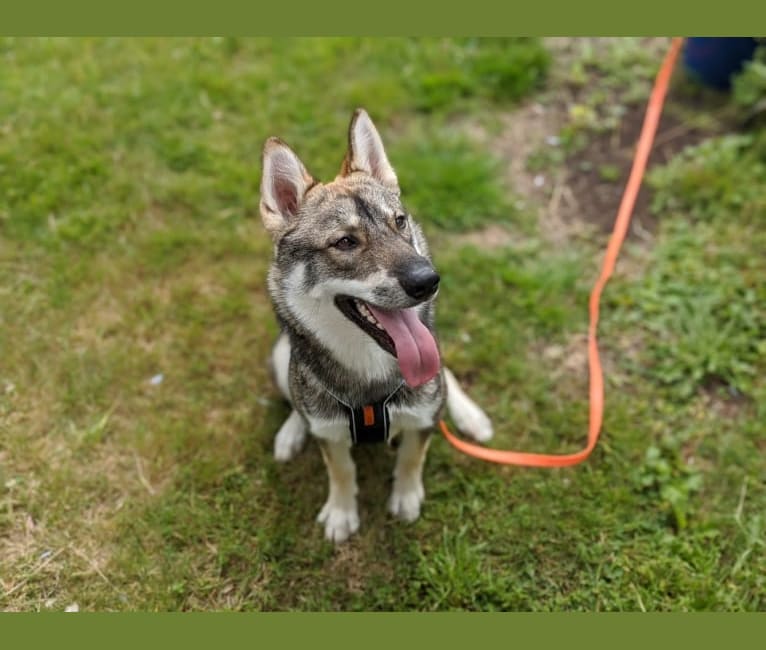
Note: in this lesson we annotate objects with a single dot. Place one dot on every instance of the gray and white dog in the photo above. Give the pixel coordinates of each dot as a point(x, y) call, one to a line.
point(353, 288)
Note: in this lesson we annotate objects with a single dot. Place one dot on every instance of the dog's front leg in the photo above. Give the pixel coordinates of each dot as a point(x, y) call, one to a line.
point(339, 515)
point(407, 494)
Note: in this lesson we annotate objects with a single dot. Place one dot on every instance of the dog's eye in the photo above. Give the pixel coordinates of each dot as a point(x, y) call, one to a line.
point(346, 243)
point(401, 222)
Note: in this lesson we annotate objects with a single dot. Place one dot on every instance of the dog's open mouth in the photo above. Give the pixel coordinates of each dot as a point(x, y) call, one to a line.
point(399, 332)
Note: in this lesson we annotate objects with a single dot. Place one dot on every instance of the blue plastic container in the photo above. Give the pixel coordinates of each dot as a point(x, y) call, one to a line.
point(714, 61)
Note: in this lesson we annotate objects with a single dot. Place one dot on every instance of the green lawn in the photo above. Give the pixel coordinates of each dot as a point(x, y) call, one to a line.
point(136, 411)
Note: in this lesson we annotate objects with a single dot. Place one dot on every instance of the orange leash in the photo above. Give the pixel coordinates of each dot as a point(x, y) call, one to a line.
point(643, 149)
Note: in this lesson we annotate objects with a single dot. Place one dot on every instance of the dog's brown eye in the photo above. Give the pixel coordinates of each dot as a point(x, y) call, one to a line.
point(346, 243)
point(401, 222)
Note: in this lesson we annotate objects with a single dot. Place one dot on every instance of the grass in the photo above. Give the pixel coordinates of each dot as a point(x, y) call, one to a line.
point(137, 414)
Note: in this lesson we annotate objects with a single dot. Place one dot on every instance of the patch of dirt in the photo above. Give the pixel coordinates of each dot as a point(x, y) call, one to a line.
point(347, 561)
point(568, 365)
point(524, 132)
point(581, 195)
point(568, 361)
point(491, 237)
point(596, 199)
point(723, 401)
point(571, 357)
point(99, 322)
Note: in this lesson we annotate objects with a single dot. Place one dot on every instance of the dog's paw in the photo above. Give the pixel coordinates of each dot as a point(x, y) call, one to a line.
point(290, 438)
point(473, 422)
point(339, 523)
point(406, 500)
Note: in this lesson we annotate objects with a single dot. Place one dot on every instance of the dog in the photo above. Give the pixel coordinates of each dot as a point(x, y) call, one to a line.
point(353, 288)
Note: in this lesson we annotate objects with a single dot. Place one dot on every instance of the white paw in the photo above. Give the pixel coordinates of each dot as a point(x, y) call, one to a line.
point(474, 422)
point(405, 502)
point(339, 523)
point(290, 438)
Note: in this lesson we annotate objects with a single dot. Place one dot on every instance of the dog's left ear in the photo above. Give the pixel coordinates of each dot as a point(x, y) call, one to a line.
point(365, 151)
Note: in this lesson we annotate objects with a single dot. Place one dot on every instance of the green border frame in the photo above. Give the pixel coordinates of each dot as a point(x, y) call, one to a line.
point(388, 18)
point(369, 631)
point(394, 17)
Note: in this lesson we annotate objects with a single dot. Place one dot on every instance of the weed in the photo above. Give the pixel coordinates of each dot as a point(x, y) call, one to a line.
point(749, 86)
point(721, 178)
point(675, 483)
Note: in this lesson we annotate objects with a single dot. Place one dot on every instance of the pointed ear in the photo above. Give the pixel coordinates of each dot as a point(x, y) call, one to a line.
point(365, 151)
point(284, 182)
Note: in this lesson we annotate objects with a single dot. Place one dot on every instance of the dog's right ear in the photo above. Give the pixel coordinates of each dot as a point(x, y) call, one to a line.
point(284, 183)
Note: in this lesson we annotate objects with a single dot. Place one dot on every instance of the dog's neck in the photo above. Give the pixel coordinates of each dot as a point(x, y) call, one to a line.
point(345, 360)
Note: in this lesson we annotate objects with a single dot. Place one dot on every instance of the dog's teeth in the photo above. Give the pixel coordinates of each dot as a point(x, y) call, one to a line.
point(365, 312)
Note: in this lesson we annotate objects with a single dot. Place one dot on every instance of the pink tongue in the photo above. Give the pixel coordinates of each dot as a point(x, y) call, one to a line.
point(415, 346)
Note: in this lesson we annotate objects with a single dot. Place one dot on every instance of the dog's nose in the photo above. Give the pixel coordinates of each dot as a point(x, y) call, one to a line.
point(420, 280)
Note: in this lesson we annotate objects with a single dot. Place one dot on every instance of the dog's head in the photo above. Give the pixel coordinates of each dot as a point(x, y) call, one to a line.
point(348, 256)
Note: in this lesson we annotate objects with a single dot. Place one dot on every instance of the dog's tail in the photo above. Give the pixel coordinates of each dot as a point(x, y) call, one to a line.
point(467, 416)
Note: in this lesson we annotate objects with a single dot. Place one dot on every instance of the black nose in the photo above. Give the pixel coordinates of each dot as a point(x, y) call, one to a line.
point(419, 279)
